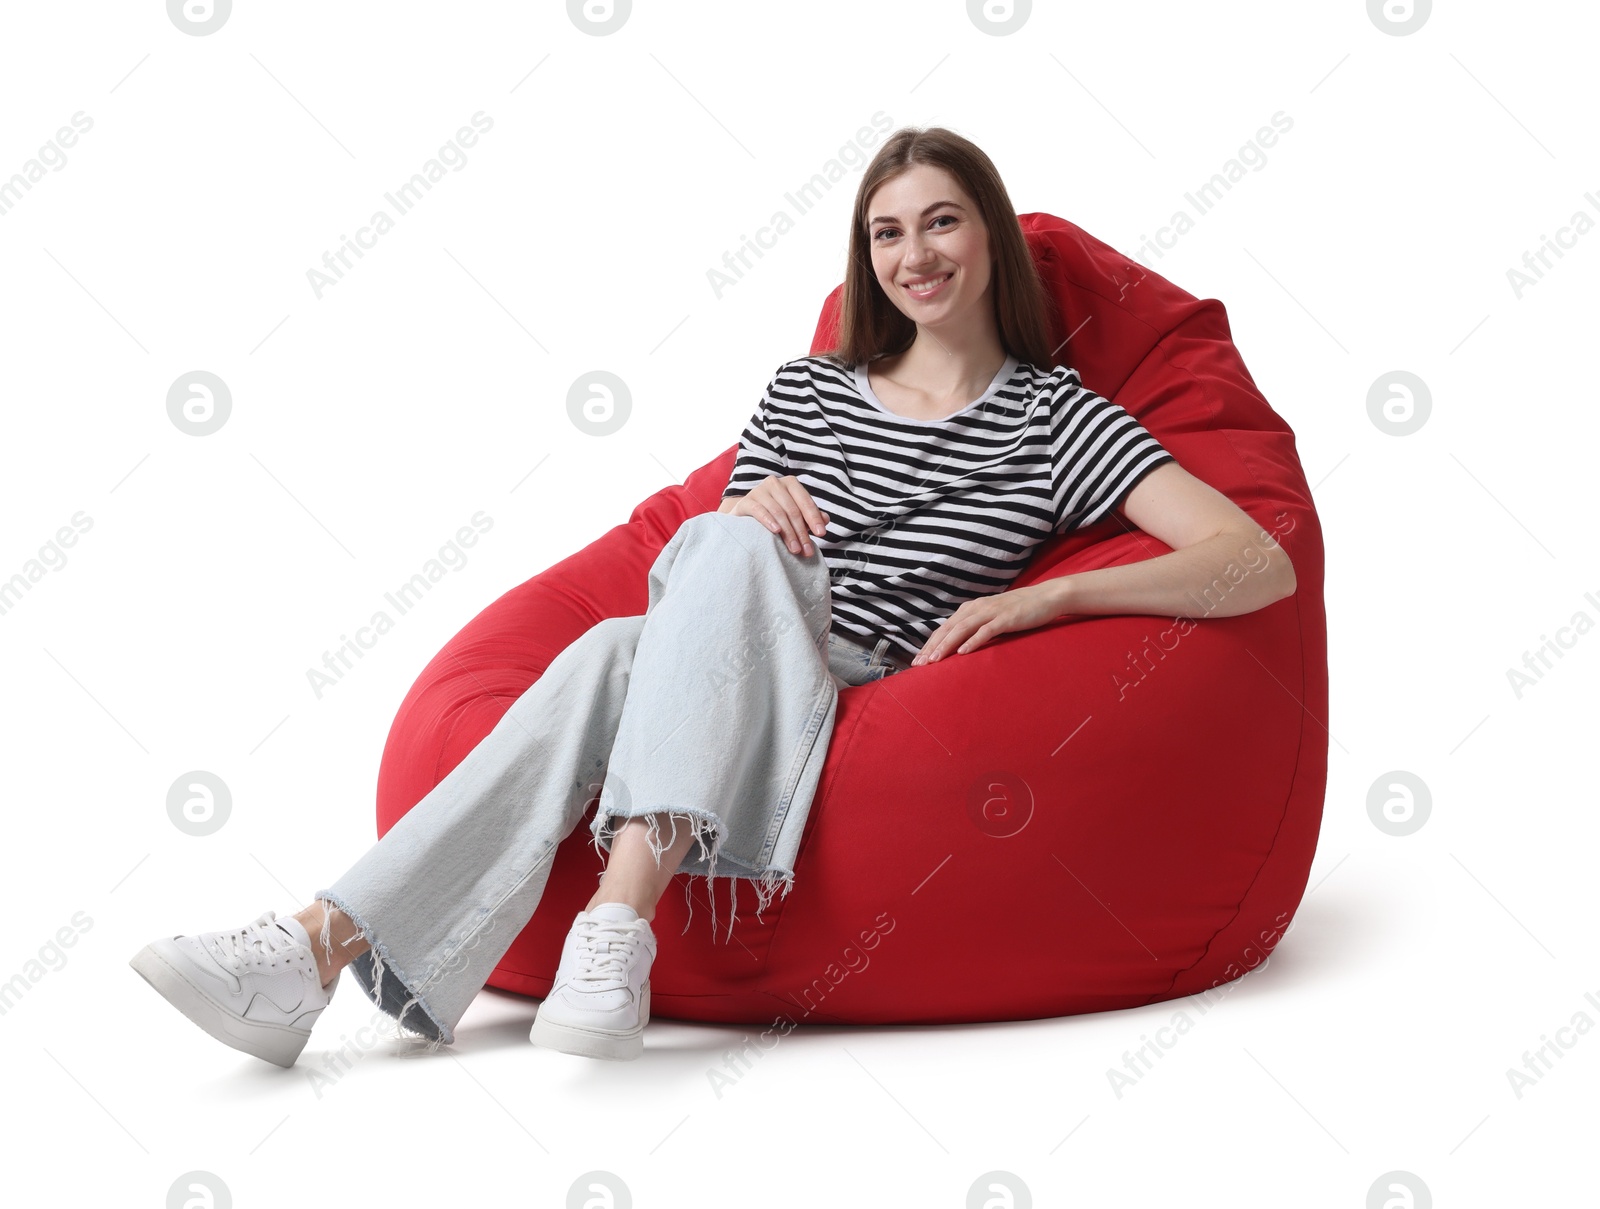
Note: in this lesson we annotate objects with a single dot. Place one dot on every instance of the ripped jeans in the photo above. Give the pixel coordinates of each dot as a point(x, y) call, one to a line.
point(716, 705)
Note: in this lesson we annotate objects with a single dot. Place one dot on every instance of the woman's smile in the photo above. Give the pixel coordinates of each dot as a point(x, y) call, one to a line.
point(922, 288)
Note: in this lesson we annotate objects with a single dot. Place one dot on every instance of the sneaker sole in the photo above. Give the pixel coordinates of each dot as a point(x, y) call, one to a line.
point(275, 1043)
point(610, 1044)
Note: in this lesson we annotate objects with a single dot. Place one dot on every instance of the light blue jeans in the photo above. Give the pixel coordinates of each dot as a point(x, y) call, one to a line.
point(716, 705)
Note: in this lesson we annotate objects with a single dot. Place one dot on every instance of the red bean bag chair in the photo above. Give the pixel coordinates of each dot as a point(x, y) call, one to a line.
point(1099, 813)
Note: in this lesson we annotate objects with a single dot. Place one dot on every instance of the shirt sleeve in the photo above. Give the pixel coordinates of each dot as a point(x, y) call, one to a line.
point(1099, 452)
point(761, 453)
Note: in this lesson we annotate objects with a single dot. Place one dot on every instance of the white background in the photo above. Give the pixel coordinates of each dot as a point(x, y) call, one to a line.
point(367, 426)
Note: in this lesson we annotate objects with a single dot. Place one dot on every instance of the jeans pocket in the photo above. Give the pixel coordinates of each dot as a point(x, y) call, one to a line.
point(878, 665)
point(853, 661)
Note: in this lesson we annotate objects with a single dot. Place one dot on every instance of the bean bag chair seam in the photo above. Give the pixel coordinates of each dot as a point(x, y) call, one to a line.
point(1199, 306)
point(1208, 391)
point(1156, 333)
point(1193, 307)
point(439, 772)
point(581, 608)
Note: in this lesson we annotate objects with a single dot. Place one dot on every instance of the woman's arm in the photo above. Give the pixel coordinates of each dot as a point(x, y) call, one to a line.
point(1222, 564)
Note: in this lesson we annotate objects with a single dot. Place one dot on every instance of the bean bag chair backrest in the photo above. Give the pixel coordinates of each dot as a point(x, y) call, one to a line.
point(1168, 357)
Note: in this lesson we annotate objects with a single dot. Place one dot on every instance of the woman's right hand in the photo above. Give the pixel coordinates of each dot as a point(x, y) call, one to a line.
point(783, 505)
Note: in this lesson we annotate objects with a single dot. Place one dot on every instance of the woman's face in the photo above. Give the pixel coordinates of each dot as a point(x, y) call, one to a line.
point(922, 226)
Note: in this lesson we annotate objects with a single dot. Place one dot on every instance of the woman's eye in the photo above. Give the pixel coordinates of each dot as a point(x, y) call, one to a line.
point(882, 231)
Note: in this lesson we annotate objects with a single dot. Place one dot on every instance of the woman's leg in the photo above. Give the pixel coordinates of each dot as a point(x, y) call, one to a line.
point(442, 896)
point(438, 900)
point(347, 941)
point(729, 711)
point(730, 705)
point(717, 702)
point(633, 875)
point(731, 668)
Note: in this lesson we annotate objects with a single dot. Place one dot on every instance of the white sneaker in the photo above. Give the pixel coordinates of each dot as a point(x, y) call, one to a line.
point(600, 1000)
point(255, 988)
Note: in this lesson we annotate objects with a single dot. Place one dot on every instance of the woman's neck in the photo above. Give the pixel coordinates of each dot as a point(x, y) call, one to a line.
point(942, 371)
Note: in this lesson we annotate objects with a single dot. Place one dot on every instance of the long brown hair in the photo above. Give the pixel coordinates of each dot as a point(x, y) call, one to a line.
point(871, 326)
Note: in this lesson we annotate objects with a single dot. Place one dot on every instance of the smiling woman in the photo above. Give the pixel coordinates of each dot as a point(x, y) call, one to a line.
point(929, 482)
point(944, 443)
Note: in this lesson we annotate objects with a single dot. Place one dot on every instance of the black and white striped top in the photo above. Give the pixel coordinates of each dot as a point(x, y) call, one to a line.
point(926, 514)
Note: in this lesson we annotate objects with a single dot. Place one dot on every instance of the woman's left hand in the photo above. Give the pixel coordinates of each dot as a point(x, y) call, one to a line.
point(976, 621)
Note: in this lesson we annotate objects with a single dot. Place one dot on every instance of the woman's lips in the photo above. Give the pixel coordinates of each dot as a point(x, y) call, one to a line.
point(921, 296)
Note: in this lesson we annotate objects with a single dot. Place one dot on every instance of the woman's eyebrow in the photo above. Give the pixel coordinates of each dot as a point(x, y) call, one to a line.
point(926, 210)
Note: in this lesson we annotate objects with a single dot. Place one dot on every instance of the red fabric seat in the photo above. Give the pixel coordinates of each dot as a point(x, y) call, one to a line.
point(1099, 813)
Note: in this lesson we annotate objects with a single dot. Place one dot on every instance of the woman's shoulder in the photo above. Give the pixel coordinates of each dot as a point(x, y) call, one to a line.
point(814, 369)
point(1040, 385)
point(1059, 384)
point(1054, 375)
point(823, 362)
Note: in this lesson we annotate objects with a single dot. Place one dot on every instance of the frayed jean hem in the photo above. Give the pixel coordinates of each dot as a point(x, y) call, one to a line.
point(384, 983)
point(769, 882)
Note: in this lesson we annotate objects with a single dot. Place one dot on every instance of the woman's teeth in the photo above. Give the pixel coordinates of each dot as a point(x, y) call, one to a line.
point(927, 287)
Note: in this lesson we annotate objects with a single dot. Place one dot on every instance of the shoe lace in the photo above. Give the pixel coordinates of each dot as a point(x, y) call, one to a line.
point(604, 949)
point(258, 942)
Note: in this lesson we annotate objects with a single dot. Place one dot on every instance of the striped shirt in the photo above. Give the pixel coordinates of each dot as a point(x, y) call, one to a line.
point(926, 514)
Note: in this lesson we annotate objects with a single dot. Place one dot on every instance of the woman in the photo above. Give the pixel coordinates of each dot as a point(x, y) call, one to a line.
point(909, 474)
